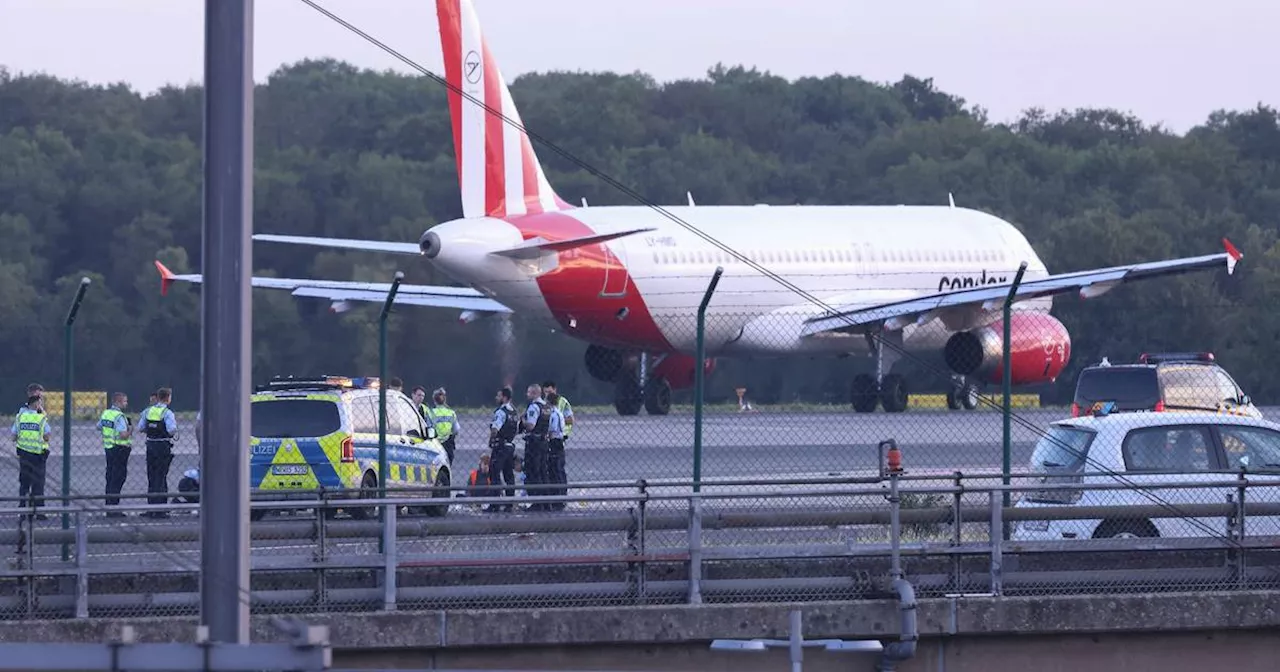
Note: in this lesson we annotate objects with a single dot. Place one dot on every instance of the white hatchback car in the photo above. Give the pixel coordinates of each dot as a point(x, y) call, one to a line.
point(1145, 449)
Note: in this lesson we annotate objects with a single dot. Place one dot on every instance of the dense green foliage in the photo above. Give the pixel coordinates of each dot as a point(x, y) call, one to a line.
point(101, 180)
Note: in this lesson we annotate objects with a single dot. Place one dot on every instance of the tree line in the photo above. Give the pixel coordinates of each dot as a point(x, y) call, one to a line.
point(98, 181)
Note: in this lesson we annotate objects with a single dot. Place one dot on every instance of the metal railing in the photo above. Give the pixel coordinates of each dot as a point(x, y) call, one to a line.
point(647, 543)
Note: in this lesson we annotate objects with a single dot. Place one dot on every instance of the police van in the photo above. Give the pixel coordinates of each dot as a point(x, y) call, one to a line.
point(322, 434)
point(1176, 381)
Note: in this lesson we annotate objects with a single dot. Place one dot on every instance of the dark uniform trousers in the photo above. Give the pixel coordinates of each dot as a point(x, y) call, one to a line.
point(159, 456)
point(31, 477)
point(117, 471)
point(555, 469)
point(535, 465)
point(502, 468)
point(450, 445)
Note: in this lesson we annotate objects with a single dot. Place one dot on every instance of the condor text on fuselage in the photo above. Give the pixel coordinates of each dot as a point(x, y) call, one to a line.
point(948, 283)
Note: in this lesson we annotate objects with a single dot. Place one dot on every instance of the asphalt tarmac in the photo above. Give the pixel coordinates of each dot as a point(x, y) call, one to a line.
point(611, 448)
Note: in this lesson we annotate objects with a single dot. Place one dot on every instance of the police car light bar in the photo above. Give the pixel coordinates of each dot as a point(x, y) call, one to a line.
point(1157, 358)
point(327, 381)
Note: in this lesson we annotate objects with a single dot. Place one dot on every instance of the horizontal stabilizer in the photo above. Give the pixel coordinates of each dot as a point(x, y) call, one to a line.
point(535, 247)
point(341, 243)
point(337, 291)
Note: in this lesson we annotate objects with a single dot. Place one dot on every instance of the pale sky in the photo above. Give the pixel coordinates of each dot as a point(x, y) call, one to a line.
point(1170, 61)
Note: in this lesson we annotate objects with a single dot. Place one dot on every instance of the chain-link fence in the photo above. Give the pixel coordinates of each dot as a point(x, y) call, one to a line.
point(1165, 447)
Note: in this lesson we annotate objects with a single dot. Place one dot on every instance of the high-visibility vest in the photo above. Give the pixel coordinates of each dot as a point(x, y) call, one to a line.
point(111, 437)
point(31, 432)
point(444, 419)
point(563, 405)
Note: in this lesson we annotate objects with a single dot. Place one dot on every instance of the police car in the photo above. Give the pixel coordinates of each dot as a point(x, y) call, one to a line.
point(1179, 381)
point(322, 433)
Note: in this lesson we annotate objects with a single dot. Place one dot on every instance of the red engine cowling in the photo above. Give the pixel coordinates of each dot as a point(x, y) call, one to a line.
point(679, 372)
point(1039, 347)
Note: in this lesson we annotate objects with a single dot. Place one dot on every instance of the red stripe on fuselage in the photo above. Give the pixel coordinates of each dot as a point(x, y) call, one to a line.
point(495, 164)
point(573, 290)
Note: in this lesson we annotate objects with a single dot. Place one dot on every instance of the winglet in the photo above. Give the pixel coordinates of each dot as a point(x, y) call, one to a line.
point(1233, 256)
point(166, 278)
point(690, 195)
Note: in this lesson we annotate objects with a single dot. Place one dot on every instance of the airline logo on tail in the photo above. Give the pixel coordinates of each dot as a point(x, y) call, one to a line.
point(498, 172)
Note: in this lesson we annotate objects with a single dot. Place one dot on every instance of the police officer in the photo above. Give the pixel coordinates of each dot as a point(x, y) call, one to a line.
point(537, 418)
point(116, 430)
point(566, 409)
point(502, 434)
point(161, 428)
point(189, 486)
point(555, 451)
point(420, 402)
point(446, 422)
point(31, 437)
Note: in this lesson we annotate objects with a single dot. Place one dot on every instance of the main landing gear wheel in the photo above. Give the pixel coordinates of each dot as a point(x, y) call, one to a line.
point(865, 393)
point(657, 396)
point(963, 395)
point(893, 393)
point(626, 394)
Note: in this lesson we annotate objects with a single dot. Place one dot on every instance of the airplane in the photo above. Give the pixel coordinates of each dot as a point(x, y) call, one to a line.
point(878, 281)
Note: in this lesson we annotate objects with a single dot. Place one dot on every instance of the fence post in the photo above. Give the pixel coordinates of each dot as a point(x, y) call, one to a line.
point(82, 569)
point(389, 557)
point(997, 549)
point(67, 378)
point(695, 550)
point(699, 382)
point(382, 392)
point(1006, 382)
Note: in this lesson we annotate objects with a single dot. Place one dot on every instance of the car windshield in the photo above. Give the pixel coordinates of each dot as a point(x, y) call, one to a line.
point(1062, 448)
point(292, 418)
point(1124, 386)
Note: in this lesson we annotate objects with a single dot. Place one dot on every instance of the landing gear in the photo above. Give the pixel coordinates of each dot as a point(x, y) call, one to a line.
point(657, 396)
point(889, 390)
point(626, 393)
point(962, 394)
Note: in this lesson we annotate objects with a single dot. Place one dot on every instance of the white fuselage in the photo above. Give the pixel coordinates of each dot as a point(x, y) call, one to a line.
point(815, 258)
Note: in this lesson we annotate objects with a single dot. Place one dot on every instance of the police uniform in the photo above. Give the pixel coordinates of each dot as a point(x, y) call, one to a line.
point(161, 428)
point(566, 410)
point(30, 429)
point(113, 424)
point(538, 417)
point(555, 455)
point(446, 423)
point(502, 449)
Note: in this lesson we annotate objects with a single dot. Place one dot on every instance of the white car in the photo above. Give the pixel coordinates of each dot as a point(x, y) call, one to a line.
point(1144, 449)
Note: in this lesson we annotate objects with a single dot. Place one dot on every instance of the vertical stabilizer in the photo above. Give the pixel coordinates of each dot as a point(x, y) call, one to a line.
point(498, 173)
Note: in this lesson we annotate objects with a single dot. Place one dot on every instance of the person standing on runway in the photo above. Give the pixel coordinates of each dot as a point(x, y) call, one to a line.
point(116, 431)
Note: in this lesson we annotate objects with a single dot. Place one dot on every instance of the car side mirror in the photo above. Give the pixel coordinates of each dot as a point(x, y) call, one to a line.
point(431, 431)
point(1245, 400)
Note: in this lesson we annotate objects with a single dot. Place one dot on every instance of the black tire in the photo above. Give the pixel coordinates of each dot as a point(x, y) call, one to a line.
point(1121, 529)
point(439, 510)
point(657, 396)
point(368, 490)
point(969, 396)
point(893, 393)
point(626, 394)
point(256, 514)
point(953, 400)
point(863, 394)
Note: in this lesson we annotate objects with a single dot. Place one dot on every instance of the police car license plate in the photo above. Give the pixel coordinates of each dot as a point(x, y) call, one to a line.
point(290, 469)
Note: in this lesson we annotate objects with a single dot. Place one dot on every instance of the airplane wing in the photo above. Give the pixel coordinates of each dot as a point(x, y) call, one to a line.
point(898, 314)
point(342, 243)
point(339, 292)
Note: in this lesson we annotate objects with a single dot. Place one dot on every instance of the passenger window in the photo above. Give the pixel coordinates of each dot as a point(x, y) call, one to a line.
point(1227, 388)
point(405, 417)
point(1190, 386)
point(1256, 448)
point(1179, 448)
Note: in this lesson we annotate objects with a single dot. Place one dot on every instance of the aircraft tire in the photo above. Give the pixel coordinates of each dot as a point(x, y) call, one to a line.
point(626, 394)
point(953, 400)
point(969, 396)
point(863, 393)
point(657, 397)
point(893, 393)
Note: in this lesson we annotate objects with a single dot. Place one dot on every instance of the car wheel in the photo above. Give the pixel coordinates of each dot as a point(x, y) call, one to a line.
point(368, 490)
point(1126, 529)
point(438, 510)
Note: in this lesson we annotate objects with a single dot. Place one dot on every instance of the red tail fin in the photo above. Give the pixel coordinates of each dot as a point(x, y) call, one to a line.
point(498, 173)
point(166, 278)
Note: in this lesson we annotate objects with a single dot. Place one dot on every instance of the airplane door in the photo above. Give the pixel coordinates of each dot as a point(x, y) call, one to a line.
point(616, 277)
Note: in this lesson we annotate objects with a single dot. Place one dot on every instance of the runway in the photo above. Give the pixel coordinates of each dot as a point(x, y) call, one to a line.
point(603, 447)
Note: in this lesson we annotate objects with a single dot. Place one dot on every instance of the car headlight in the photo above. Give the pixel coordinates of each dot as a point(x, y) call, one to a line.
point(1035, 525)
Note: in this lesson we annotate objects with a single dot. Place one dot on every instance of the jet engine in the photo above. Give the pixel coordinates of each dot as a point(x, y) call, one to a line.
point(1039, 347)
